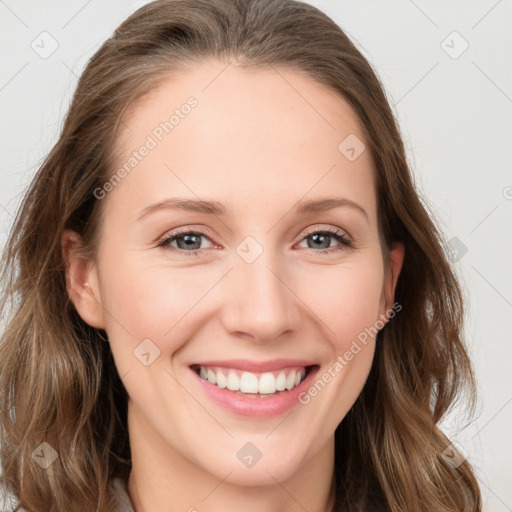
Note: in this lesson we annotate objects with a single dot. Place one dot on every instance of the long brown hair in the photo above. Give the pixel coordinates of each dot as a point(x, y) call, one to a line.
point(58, 382)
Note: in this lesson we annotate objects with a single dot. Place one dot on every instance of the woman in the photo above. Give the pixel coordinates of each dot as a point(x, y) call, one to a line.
point(223, 289)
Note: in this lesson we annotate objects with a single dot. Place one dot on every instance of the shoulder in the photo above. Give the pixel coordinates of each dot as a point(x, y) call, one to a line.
point(119, 491)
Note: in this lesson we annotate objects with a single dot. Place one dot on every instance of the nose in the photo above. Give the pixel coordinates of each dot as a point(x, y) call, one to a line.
point(260, 304)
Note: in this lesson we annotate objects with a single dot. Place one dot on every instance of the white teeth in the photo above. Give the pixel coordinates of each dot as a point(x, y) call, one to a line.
point(290, 381)
point(267, 384)
point(222, 382)
point(281, 382)
point(247, 382)
point(233, 382)
point(211, 376)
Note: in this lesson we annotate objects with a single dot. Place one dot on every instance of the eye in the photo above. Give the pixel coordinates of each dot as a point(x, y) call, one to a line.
point(188, 242)
point(321, 239)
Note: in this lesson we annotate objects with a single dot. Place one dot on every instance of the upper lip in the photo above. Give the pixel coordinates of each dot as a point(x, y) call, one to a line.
point(256, 366)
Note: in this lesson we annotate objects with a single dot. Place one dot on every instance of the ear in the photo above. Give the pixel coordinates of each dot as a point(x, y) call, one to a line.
point(82, 281)
point(396, 259)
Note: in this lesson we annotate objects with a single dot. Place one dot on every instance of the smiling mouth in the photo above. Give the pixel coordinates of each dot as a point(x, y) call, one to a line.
point(252, 384)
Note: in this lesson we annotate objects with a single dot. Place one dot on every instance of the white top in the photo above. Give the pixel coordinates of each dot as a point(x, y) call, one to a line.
point(120, 493)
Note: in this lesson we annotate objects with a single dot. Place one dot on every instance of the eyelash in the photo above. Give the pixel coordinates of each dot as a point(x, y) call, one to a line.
point(344, 240)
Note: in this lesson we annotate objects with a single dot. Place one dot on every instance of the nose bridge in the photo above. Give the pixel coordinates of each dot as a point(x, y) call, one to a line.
point(259, 303)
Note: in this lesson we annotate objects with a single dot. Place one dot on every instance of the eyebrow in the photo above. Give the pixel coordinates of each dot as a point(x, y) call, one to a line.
point(216, 208)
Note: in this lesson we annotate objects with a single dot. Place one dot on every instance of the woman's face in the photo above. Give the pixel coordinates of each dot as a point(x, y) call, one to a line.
point(254, 286)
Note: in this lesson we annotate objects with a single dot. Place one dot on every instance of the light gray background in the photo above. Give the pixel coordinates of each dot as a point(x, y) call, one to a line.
point(455, 115)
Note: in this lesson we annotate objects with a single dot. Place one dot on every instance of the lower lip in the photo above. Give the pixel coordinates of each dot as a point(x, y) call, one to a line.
point(256, 407)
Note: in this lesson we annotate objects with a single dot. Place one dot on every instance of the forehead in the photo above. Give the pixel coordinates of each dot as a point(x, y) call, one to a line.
point(251, 133)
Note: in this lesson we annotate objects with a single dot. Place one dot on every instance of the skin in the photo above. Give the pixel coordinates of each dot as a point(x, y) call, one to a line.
point(257, 145)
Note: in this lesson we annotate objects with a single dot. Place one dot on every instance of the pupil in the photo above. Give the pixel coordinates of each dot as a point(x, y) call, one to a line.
point(188, 240)
point(324, 237)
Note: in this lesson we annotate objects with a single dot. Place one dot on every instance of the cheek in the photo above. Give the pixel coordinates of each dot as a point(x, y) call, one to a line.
point(346, 299)
point(146, 300)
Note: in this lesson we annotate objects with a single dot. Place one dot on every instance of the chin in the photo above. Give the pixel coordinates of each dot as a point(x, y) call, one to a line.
point(266, 471)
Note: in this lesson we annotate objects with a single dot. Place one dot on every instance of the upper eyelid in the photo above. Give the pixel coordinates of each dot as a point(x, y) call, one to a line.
point(333, 229)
